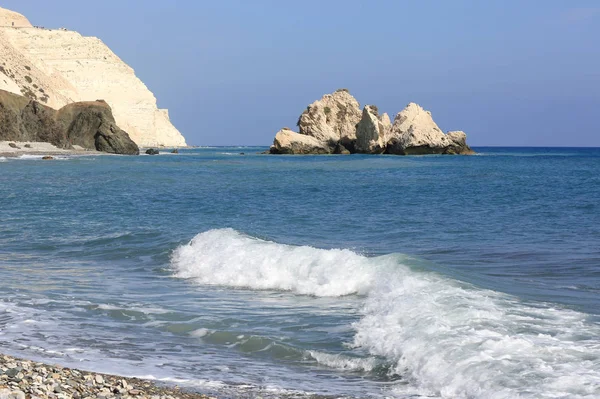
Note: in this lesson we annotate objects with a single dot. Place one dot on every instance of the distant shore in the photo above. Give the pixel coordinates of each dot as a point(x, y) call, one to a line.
point(11, 149)
point(24, 379)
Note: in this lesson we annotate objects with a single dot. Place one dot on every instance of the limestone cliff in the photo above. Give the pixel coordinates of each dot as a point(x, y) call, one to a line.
point(58, 67)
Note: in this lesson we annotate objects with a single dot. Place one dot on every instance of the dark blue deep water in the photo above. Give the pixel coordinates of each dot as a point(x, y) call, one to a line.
point(359, 276)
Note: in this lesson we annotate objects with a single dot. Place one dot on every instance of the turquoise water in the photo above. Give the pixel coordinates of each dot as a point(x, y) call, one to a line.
point(358, 276)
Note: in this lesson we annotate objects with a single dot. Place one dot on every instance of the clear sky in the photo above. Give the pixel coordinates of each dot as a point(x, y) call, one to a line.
point(233, 72)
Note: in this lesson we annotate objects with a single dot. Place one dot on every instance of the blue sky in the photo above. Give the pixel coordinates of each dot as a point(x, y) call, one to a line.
point(235, 71)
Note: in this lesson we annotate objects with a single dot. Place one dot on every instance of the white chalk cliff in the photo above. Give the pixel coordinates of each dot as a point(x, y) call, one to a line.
point(58, 67)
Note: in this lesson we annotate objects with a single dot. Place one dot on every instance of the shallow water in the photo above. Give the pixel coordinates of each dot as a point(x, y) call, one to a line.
point(361, 276)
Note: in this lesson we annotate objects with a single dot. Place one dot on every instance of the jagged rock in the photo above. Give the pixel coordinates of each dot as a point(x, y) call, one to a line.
point(152, 151)
point(458, 144)
point(332, 119)
point(372, 131)
point(22, 119)
point(289, 142)
point(335, 125)
point(90, 125)
point(414, 133)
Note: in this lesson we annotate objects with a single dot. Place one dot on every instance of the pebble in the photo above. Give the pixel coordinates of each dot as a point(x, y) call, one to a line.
point(24, 379)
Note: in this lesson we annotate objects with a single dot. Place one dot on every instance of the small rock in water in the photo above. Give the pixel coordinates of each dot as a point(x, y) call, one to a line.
point(175, 151)
point(47, 158)
point(152, 151)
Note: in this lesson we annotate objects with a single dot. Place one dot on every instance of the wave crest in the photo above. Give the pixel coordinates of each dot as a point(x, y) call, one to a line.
point(446, 338)
point(226, 257)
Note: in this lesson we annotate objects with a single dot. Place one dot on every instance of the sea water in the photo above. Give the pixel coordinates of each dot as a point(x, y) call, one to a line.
point(350, 276)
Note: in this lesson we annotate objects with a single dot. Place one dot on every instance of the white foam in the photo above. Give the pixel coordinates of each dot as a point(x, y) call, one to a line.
point(41, 156)
point(342, 362)
point(454, 341)
point(448, 339)
point(226, 257)
point(141, 309)
point(201, 332)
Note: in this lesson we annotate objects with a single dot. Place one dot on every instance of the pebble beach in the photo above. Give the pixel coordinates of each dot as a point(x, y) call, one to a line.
point(24, 379)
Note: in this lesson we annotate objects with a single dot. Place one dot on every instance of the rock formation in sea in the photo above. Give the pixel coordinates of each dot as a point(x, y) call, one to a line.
point(90, 125)
point(332, 119)
point(57, 67)
point(335, 125)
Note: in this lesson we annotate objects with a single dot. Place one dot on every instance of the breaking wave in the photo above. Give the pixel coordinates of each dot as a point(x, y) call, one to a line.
point(445, 338)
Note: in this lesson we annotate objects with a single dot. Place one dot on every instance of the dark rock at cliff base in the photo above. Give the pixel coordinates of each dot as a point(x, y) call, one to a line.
point(47, 158)
point(88, 124)
point(175, 151)
point(340, 149)
point(92, 125)
point(152, 151)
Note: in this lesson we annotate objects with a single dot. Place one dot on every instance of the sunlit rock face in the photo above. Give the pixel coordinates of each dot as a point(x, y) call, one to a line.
point(58, 67)
point(335, 125)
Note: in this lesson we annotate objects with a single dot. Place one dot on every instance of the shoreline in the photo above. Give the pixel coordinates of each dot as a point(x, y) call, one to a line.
point(39, 148)
point(25, 379)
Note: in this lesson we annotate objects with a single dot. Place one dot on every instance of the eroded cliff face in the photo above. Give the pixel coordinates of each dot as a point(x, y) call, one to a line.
point(58, 67)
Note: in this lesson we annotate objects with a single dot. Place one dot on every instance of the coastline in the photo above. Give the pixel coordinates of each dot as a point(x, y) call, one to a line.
point(24, 379)
point(41, 149)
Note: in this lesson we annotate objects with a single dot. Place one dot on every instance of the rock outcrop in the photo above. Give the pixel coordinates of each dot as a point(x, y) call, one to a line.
point(90, 125)
point(57, 67)
point(289, 142)
point(415, 133)
point(335, 125)
point(372, 131)
point(332, 119)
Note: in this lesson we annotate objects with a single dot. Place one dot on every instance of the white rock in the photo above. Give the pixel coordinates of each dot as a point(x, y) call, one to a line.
point(372, 131)
point(13, 19)
point(415, 132)
point(458, 143)
point(332, 119)
point(17, 395)
point(289, 142)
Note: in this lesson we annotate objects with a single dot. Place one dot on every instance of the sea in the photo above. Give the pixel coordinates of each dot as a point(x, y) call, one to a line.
point(245, 275)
